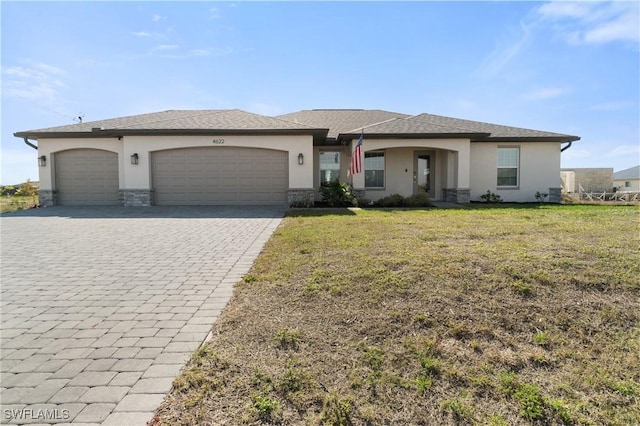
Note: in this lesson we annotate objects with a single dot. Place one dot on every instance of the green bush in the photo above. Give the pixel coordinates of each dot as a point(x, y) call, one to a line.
point(8, 190)
point(394, 200)
point(268, 409)
point(337, 194)
point(491, 197)
point(286, 339)
point(363, 202)
point(421, 199)
point(540, 196)
point(531, 403)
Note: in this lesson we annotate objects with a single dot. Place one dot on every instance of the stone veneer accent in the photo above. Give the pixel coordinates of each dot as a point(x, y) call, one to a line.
point(555, 195)
point(301, 197)
point(456, 195)
point(136, 197)
point(48, 198)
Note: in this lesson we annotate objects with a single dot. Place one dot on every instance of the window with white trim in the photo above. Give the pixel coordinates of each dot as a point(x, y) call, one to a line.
point(329, 166)
point(374, 169)
point(508, 166)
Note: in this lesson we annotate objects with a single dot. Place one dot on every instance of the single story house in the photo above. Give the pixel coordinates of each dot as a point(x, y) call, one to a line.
point(217, 157)
point(627, 180)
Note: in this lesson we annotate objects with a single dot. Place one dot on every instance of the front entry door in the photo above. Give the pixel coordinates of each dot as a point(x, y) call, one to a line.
point(423, 176)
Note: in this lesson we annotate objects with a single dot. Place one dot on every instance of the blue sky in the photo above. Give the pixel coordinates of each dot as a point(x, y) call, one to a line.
point(557, 66)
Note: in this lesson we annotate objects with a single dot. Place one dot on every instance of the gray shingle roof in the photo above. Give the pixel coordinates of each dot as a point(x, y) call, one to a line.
point(495, 130)
point(233, 119)
point(340, 123)
point(417, 124)
point(341, 120)
point(436, 124)
point(377, 122)
point(631, 173)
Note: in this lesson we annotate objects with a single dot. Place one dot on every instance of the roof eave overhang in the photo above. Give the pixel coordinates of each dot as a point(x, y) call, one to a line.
point(471, 136)
point(559, 139)
point(106, 133)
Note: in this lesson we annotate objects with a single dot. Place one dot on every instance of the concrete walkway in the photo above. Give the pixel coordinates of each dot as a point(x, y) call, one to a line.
point(102, 307)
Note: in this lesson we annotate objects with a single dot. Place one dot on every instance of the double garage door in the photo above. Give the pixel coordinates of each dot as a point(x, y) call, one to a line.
point(187, 176)
point(220, 176)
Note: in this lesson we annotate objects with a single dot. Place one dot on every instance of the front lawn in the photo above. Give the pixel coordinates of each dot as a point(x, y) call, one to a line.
point(496, 316)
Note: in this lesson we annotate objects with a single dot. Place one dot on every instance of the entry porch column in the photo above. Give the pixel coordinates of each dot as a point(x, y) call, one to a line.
point(458, 186)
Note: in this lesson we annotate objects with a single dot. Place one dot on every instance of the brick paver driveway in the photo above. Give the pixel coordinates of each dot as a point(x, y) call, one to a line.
point(101, 307)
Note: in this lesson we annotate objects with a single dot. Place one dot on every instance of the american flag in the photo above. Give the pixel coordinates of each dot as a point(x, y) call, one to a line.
point(356, 158)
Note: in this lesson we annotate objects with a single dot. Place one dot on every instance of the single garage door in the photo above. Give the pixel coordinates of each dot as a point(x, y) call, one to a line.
point(220, 176)
point(87, 177)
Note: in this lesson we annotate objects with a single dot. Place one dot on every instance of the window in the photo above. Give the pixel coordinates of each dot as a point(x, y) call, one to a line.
point(374, 169)
point(329, 167)
point(627, 184)
point(508, 164)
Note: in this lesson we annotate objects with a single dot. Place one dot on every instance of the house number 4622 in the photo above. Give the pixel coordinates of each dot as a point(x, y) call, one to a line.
point(218, 141)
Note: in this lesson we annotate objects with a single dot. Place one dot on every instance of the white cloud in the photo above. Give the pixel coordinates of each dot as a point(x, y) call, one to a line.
point(559, 10)
point(623, 28)
point(158, 18)
point(50, 69)
point(576, 23)
point(40, 82)
point(17, 72)
point(151, 35)
point(507, 49)
point(624, 150)
point(593, 22)
point(214, 13)
point(200, 52)
point(173, 51)
point(545, 93)
point(162, 47)
point(611, 106)
point(38, 71)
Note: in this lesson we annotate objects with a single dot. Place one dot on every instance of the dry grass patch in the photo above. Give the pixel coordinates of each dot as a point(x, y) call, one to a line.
point(14, 203)
point(491, 316)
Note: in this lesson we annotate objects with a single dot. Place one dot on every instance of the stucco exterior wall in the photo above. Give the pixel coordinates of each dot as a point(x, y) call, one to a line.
point(568, 178)
point(139, 176)
point(539, 170)
point(635, 185)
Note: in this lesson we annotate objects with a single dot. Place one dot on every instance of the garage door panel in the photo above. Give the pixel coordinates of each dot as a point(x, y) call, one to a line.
point(87, 177)
point(244, 181)
point(220, 175)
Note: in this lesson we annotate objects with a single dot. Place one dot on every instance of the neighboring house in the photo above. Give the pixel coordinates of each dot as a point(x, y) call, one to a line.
point(587, 180)
point(215, 157)
point(627, 180)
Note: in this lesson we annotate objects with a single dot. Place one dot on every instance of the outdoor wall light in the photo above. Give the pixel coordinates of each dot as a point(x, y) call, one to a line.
point(134, 158)
point(42, 160)
point(300, 159)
